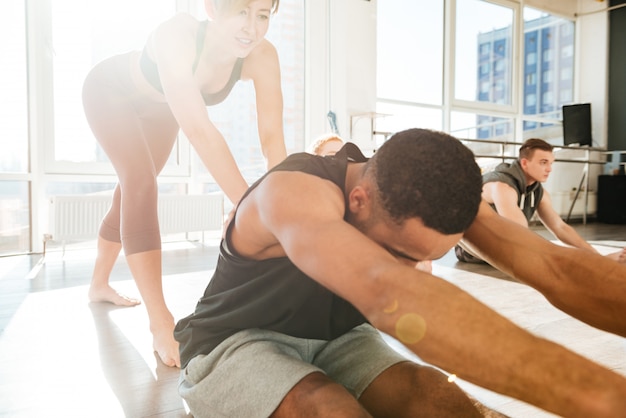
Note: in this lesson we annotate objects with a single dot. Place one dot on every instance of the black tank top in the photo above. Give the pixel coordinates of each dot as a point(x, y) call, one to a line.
point(528, 197)
point(270, 294)
point(151, 72)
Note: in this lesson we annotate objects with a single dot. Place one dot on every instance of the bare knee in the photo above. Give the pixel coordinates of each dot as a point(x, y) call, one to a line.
point(408, 389)
point(318, 396)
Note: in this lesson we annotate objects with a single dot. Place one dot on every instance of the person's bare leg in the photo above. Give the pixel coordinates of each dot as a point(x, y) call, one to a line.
point(410, 390)
point(146, 270)
point(316, 395)
point(99, 289)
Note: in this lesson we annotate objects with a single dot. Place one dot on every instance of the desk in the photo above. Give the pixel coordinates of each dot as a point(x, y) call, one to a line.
point(612, 199)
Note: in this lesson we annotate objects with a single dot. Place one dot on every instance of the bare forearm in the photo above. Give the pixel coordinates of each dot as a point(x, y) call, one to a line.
point(448, 328)
point(568, 235)
point(586, 285)
point(275, 151)
point(218, 159)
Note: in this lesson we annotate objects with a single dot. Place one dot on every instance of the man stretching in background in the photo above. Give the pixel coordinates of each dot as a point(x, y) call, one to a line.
point(515, 192)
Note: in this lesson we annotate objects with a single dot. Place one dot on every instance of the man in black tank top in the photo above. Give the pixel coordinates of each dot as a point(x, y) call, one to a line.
point(321, 252)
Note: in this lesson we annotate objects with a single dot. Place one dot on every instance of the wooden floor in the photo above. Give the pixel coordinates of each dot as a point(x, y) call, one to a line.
point(61, 356)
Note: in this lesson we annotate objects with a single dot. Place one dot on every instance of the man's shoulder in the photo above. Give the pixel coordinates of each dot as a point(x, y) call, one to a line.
point(498, 173)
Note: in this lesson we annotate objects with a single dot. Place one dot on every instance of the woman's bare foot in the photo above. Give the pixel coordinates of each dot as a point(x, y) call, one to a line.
point(110, 295)
point(165, 345)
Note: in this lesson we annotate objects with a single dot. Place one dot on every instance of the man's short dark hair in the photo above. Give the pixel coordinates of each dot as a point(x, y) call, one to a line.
point(429, 175)
point(530, 145)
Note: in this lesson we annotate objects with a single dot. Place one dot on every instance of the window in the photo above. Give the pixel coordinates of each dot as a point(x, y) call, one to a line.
point(479, 23)
point(546, 77)
point(67, 38)
point(547, 100)
point(567, 51)
point(567, 29)
point(483, 84)
point(416, 29)
point(14, 105)
point(555, 70)
point(565, 96)
point(476, 125)
point(104, 32)
point(401, 116)
point(14, 217)
point(14, 162)
point(547, 55)
point(501, 66)
point(566, 74)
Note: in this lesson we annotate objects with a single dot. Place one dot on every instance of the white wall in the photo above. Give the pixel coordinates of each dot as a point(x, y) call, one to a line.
point(591, 80)
point(347, 51)
point(591, 73)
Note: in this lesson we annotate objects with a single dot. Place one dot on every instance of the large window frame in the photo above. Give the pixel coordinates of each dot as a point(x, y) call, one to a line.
point(46, 176)
point(453, 106)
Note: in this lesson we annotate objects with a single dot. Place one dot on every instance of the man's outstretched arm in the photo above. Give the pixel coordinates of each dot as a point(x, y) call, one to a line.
point(439, 322)
point(584, 284)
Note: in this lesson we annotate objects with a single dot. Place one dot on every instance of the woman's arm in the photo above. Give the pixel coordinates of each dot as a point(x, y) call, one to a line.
point(175, 51)
point(263, 68)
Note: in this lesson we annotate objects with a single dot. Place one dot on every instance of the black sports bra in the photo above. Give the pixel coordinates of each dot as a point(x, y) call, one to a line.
point(151, 72)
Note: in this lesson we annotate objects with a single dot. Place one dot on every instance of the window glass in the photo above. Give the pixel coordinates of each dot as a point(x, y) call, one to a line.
point(480, 126)
point(84, 32)
point(553, 40)
point(551, 132)
point(480, 130)
point(486, 28)
point(105, 32)
point(402, 117)
point(14, 217)
point(14, 105)
point(410, 50)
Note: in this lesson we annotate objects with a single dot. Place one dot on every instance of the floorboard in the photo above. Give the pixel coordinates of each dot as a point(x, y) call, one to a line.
point(61, 356)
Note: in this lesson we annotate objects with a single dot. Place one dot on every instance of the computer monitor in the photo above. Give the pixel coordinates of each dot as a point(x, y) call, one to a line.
point(577, 124)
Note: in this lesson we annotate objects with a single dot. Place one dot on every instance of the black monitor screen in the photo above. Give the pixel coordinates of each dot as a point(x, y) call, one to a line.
point(577, 124)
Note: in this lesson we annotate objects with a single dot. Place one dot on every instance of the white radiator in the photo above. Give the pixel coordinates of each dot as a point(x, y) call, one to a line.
point(78, 217)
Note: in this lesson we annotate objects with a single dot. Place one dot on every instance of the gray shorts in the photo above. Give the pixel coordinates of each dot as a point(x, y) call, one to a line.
point(250, 373)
